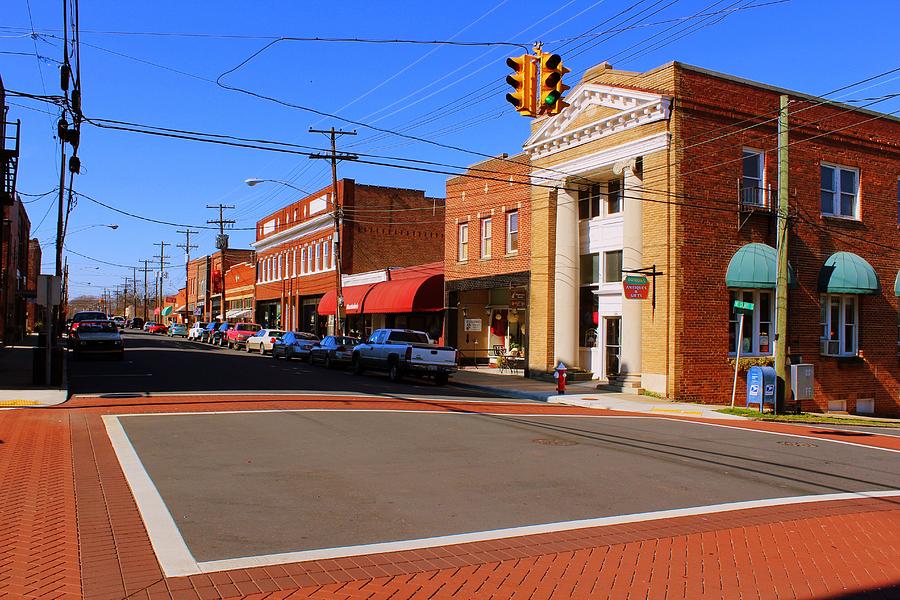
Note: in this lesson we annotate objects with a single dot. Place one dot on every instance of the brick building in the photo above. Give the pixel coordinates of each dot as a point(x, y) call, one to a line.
point(34, 269)
point(205, 276)
point(240, 286)
point(675, 168)
point(382, 227)
point(487, 256)
point(15, 283)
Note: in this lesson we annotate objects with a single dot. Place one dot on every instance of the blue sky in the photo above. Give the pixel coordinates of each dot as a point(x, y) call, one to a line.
point(807, 45)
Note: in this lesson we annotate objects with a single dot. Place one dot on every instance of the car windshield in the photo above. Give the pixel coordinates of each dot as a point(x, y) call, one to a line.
point(413, 337)
point(247, 327)
point(275, 333)
point(97, 327)
point(88, 316)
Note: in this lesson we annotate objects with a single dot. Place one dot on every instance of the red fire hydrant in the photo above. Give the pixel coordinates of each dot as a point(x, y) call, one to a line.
point(559, 374)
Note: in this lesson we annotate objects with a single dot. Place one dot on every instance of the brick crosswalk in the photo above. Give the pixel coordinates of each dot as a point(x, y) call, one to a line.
point(70, 528)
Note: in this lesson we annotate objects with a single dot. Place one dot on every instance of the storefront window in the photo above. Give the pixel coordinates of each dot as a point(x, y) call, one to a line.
point(588, 315)
point(756, 339)
point(838, 319)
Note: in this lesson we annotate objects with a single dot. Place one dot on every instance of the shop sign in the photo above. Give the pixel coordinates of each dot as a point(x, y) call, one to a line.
point(473, 325)
point(636, 287)
point(517, 299)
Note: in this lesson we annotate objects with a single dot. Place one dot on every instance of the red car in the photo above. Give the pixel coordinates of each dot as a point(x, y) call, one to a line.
point(236, 336)
point(158, 328)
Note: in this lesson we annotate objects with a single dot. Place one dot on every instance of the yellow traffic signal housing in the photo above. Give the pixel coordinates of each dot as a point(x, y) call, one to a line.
point(552, 86)
point(524, 82)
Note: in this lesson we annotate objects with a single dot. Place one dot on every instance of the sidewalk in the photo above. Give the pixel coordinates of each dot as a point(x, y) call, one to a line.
point(16, 388)
point(583, 394)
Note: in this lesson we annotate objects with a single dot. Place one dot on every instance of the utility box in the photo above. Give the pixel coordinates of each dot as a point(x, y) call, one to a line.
point(802, 382)
point(761, 385)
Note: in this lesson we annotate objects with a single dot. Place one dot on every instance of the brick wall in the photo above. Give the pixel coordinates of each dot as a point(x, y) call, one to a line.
point(708, 238)
point(470, 199)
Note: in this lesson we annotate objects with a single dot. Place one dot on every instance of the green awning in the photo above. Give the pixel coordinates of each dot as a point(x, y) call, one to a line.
point(847, 273)
point(754, 266)
point(167, 311)
point(897, 285)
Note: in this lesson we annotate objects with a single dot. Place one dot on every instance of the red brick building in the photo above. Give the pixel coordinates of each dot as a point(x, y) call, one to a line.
point(675, 169)
point(240, 287)
point(487, 258)
point(205, 277)
point(382, 227)
point(34, 269)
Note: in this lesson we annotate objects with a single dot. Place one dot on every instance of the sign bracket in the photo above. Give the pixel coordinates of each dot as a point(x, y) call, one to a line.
point(648, 272)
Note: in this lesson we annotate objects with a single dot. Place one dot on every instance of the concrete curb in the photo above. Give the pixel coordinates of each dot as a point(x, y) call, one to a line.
point(503, 392)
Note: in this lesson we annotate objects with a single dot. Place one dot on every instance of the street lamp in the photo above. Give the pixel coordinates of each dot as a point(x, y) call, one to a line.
point(86, 227)
point(253, 181)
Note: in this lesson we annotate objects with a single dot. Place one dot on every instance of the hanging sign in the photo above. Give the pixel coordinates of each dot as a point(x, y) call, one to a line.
point(517, 298)
point(636, 287)
point(473, 324)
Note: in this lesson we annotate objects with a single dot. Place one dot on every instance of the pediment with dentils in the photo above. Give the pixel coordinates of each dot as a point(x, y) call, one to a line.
point(596, 111)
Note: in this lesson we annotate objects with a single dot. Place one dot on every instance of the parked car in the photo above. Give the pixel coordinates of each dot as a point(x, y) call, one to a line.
point(195, 330)
point(294, 344)
point(178, 329)
point(403, 352)
point(119, 321)
point(135, 323)
point(218, 335)
point(98, 337)
point(158, 328)
point(236, 337)
point(207, 334)
point(148, 325)
point(262, 340)
point(80, 317)
point(333, 350)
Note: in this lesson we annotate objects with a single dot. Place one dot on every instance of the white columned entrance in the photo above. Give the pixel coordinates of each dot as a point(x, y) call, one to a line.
point(632, 259)
point(565, 281)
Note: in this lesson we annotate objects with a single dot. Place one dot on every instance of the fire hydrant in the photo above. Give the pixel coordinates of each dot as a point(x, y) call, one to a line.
point(559, 374)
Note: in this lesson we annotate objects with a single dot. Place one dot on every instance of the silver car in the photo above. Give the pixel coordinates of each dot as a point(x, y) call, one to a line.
point(263, 340)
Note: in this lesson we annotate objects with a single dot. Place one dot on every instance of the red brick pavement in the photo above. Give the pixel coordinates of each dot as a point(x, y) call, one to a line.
point(69, 527)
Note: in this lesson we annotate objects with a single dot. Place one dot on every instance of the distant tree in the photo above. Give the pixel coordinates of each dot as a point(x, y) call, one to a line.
point(86, 302)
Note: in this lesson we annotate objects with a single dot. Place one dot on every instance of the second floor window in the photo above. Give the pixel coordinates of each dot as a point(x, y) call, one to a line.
point(752, 179)
point(612, 266)
point(462, 249)
point(486, 238)
point(589, 202)
point(512, 231)
point(840, 191)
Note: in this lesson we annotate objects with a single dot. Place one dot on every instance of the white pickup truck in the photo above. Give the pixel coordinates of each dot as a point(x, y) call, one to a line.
point(404, 352)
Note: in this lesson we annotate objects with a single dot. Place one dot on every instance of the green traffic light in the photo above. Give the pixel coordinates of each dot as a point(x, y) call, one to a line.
point(551, 98)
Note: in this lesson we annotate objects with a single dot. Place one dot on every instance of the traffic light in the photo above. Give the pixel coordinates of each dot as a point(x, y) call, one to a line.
point(524, 81)
point(552, 86)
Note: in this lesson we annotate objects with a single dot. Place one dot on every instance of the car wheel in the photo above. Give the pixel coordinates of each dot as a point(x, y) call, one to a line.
point(395, 372)
point(247, 348)
point(274, 353)
point(441, 379)
point(358, 368)
point(288, 354)
point(262, 351)
point(328, 361)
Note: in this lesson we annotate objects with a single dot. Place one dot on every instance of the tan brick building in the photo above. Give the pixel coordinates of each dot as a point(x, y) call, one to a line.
point(487, 256)
point(382, 227)
point(675, 168)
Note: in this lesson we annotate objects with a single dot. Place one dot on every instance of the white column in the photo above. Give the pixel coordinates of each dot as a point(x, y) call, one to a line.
point(632, 258)
point(565, 303)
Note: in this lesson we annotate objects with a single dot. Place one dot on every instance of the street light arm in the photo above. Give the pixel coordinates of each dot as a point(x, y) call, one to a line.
point(253, 181)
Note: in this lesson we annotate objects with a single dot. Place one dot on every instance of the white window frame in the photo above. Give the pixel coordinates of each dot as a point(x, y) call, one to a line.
point(825, 321)
point(605, 276)
point(462, 242)
point(325, 255)
point(510, 231)
point(486, 236)
point(318, 264)
point(836, 193)
point(309, 259)
point(759, 199)
point(752, 322)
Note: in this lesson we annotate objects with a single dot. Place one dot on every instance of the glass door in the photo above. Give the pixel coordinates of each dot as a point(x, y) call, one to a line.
point(612, 345)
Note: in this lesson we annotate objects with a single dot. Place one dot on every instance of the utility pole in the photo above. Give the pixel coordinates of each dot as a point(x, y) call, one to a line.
point(145, 270)
point(337, 206)
point(125, 299)
point(135, 299)
point(222, 245)
point(781, 279)
point(187, 266)
point(162, 269)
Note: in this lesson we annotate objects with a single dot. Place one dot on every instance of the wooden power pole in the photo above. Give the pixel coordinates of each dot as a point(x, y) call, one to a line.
point(222, 245)
point(781, 279)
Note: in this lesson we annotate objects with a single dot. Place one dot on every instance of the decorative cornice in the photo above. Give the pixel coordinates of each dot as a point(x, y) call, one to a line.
point(604, 158)
point(636, 108)
point(305, 228)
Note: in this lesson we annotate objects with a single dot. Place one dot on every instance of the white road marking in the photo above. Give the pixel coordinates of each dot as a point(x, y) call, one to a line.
point(168, 544)
point(175, 557)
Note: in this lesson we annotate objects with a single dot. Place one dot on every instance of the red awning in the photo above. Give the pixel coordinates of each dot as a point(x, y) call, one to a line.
point(354, 296)
point(415, 294)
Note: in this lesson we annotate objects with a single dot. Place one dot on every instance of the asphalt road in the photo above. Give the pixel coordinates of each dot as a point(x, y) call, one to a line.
point(243, 484)
point(156, 363)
